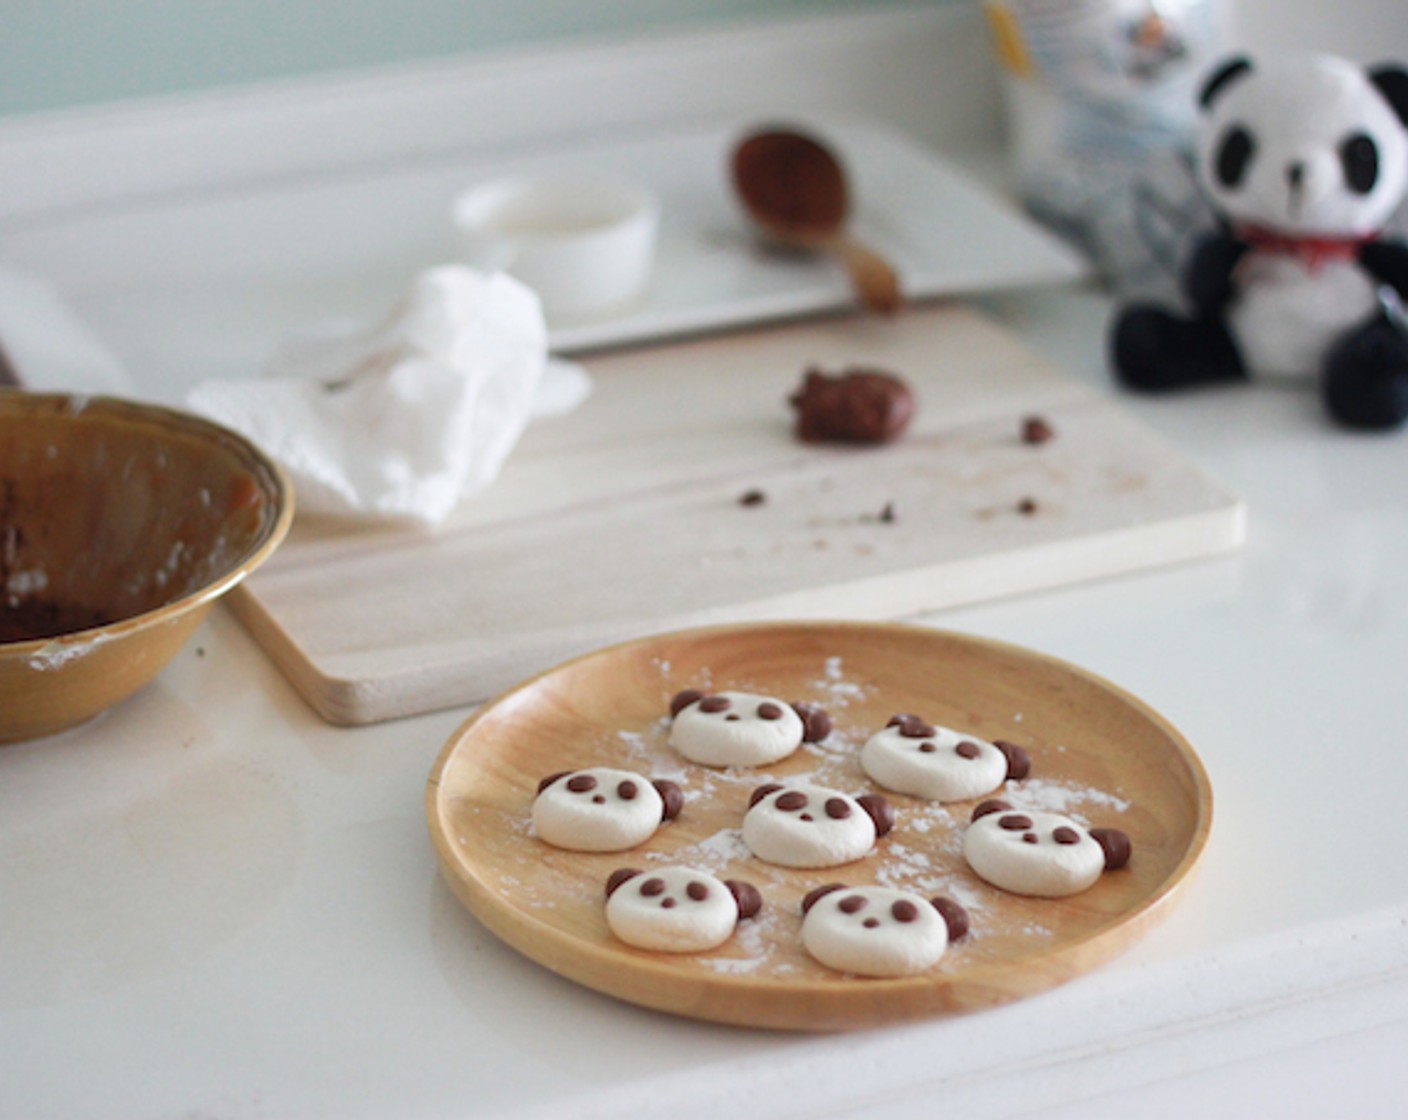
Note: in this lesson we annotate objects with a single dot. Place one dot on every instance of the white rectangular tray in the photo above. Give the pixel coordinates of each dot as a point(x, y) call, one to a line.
point(188, 288)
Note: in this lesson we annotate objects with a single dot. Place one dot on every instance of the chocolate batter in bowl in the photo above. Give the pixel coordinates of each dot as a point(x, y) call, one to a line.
point(120, 525)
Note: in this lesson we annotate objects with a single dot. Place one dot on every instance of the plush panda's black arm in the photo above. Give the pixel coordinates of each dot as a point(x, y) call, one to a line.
point(1387, 262)
point(1207, 280)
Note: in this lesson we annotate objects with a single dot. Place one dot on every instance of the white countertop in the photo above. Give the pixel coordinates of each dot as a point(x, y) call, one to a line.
point(215, 905)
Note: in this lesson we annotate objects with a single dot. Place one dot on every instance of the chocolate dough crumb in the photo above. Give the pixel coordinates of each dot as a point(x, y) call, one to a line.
point(856, 406)
point(1037, 430)
point(886, 516)
point(752, 498)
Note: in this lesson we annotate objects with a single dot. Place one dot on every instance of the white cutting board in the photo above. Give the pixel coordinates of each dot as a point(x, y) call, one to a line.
point(624, 517)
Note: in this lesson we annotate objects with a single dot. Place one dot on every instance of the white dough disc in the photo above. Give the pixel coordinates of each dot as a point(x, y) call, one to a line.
point(597, 810)
point(808, 826)
point(673, 910)
point(736, 729)
point(875, 931)
point(1041, 854)
point(946, 765)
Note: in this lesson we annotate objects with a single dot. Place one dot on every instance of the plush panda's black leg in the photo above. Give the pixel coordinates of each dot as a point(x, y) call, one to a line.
point(1365, 381)
point(1152, 349)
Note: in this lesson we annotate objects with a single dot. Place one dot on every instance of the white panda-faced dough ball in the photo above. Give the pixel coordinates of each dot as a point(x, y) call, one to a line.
point(676, 909)
point(879, 931)
point(601, 809)
point(938, 763)
point(806, 826)
point(742, 729)
point(1044, 855)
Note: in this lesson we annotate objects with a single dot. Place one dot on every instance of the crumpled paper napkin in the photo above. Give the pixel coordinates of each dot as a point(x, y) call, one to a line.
point(401, 421)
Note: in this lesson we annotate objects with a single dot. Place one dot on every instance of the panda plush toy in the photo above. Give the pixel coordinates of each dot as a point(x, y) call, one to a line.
point(1304, 160)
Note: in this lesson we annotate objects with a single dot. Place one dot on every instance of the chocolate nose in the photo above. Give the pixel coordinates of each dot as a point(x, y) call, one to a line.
point(1295, 175)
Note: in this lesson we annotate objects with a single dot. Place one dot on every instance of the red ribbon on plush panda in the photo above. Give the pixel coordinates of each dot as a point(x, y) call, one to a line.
point(1316, 251)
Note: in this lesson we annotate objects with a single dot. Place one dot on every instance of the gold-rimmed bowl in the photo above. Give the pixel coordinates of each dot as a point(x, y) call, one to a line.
point(121, 524)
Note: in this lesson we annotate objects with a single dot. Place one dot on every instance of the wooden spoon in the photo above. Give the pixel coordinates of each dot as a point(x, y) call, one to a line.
point(794, 189)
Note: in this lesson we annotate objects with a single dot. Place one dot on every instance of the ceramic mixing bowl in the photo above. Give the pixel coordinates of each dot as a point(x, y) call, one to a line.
point(120, 525)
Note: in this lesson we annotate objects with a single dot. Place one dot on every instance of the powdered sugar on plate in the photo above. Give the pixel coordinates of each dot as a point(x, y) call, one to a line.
point(1068, 798)
point(836, 691)
point(713, 854)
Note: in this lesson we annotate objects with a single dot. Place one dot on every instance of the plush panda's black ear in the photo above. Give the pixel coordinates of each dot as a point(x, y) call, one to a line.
point(1223, 76)
point(1392, 82)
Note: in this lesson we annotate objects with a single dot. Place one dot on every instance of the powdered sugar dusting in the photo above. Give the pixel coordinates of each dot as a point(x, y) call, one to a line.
point(713, 853)
point(1068, 798)
point(752, 947)
point(835, 690)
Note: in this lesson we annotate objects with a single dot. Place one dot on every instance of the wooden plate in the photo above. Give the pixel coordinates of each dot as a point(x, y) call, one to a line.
point(1098, 754)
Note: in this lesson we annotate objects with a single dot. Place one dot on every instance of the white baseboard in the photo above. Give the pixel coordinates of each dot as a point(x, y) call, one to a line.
point(925, 69)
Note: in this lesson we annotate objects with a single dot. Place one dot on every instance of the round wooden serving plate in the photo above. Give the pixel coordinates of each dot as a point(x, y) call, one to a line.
point(1098, 754)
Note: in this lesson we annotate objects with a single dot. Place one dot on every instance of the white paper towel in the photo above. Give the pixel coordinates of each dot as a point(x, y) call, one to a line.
point(401, 421)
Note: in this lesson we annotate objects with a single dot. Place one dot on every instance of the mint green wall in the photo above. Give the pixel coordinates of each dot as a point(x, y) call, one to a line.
point(61, 53)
